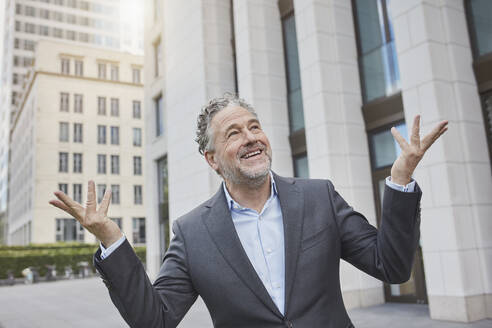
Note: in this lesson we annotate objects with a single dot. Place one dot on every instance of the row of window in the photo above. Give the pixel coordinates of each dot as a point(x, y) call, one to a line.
point(69, 229)
point(60, 33)
point(102, 69)
point(100, 190)
point(78, 104)
point(72, 19)
point(115, 135)
point(101, 163)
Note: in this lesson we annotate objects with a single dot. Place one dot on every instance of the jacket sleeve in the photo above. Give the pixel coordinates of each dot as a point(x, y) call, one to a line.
point(386, 253)
point(140, 303)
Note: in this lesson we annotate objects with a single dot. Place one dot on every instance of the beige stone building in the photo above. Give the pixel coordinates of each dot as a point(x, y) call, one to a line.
point(328, 79)
point(80, 117)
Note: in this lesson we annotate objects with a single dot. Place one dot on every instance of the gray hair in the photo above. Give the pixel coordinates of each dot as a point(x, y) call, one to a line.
point(204, 135)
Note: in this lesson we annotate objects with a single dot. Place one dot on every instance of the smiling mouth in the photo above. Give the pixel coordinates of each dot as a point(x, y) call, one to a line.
point(252, 154)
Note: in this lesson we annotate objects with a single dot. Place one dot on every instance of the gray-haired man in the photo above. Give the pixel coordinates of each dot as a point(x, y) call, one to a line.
point(264, 251)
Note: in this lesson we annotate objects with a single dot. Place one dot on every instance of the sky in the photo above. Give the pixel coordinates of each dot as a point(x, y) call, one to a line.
point(2, 8)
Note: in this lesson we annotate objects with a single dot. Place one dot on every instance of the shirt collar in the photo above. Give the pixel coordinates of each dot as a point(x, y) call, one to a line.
point(233, 205)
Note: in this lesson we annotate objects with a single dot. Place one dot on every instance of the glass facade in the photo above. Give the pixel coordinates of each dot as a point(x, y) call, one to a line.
point(294, 90)
point(481, 12)
point(377, 54)
point(162, 190)
point(301, 169)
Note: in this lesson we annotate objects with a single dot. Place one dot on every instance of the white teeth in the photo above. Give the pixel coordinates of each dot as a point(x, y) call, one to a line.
point(252, 154)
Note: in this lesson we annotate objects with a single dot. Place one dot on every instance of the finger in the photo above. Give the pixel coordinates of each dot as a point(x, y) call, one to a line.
point(69, 202)
point(415, 137)
point(91, 203)
point(61, 206)
point(401, 141)
point(434, 134)
point(103, 207)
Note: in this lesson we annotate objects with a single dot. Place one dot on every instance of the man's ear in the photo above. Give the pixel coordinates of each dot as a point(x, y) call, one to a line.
point(210, 158)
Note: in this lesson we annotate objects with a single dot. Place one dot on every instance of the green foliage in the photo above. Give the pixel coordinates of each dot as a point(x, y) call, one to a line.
point(17, 258)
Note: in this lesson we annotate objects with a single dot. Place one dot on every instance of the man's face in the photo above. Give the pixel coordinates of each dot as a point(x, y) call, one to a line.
point(242, 152)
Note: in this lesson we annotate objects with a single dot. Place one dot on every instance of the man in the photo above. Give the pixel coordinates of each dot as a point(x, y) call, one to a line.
point(265, 250)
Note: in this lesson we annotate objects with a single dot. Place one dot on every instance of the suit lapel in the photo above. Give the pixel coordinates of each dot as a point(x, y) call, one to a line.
point(292, 205)
point(221, 228)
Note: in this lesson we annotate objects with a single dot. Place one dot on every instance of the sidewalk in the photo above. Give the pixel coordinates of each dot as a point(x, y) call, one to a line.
point(86, 303)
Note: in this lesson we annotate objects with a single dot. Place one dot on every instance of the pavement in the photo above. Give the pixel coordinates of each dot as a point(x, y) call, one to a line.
point(86, 303)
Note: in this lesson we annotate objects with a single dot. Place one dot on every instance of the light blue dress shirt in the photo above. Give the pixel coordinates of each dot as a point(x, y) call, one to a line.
point(262, 237)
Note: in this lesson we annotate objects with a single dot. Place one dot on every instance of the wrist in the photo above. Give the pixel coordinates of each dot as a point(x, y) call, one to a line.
point(401, 180)
point(111, 234)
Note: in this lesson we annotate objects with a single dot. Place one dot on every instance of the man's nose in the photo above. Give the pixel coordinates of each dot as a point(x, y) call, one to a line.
point(249, 136)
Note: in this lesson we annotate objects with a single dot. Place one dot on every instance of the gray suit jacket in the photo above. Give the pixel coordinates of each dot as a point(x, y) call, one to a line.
point(206, 258)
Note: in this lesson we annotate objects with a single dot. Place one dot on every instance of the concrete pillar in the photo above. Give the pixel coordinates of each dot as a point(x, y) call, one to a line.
point(437, 81)
point(335, 130)
point(261, 73)
point(198, 65)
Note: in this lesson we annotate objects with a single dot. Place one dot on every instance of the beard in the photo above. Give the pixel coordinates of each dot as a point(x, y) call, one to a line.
point(245, 175)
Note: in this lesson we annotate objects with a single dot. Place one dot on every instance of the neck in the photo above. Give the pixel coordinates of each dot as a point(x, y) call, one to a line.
point(250, 196)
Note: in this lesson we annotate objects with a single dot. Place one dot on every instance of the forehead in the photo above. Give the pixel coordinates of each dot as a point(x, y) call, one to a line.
point(230, 115)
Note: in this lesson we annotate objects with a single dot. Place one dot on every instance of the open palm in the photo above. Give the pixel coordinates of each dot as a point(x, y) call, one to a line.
point(90, 217)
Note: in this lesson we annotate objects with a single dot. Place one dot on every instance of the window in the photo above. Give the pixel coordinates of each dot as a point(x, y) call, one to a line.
point(71, 19)
point(29, 45)
point(101, 164)
point(44, 30)
point(159, 119)
point(62, 162)
point(137, 194)
point(115, 107)
point(157, 59)
point(136, 109)
point(115, 164)
point(69, 230)
point(137, 165)
point(77, 163)
point(18, 26)
point(83, 37)
point(101, 189)
point(139, 230)
point(384, 149)
point(294, 90)
point(137, 137)
point(163, 199)
point(63, 187)
point(77, 192)
point(70, 35)
point(30, 28)
point(301, 169)
point(78, 103)
point(79, 68)
point(101, 71)
point(30, 11)
point(18, 9)
point(101, 105)
point(118, 222)
point(17, 43)
point(63, 137)
point(136, 75)
point(115, 73)
point(380, 75)
point(58, 16)
point(77, 133)
point(101, 134)
point(65, 66)
point(115, 135)
point(115, 194)
point(480, 24)
point(57, 32)
point(44, 13)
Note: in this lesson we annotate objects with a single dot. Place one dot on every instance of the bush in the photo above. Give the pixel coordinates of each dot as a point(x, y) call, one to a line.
point(17, 258)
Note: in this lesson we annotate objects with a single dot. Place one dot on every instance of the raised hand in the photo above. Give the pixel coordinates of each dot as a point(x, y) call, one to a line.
point(94, 220)
point(411, 154)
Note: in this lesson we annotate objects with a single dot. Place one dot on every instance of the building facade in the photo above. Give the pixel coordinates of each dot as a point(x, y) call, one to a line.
point(79, 118)
point(328, 80)
point(96, 23)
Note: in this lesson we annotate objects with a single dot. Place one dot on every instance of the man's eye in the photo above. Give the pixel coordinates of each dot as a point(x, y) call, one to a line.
point(231, 134)
point(257, 127)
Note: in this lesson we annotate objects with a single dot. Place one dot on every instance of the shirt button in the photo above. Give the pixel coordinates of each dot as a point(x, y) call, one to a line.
point(260, 217)
point(269, 250)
